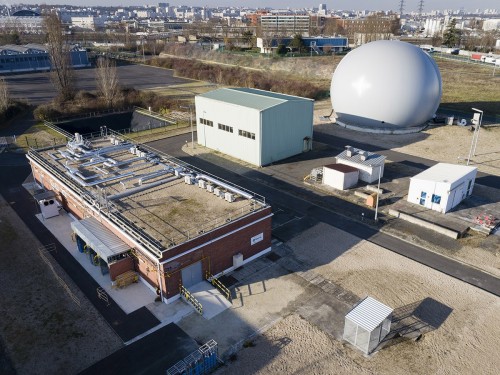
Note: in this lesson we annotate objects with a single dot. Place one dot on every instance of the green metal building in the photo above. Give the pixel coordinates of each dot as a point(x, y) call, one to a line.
point(256, 126)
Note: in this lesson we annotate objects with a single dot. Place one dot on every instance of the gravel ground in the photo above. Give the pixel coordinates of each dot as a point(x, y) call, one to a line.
point(47, 324)
point(461, 332)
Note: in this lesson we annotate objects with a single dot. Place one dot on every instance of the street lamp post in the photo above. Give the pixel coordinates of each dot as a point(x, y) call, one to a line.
point(378, 192)
point(478, 128)
point(475, 136)
point(190, 107)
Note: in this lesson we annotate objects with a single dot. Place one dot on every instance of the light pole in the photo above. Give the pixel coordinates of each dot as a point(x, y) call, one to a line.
point(378, 192)
point(190, 107)
point(475, 135)
point(478, 128)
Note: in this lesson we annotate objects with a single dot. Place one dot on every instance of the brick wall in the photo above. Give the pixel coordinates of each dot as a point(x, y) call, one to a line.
point(218, 255)
point(119, 267)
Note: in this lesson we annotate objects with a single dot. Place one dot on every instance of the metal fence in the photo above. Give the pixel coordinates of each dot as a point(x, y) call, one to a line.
point(200, 362)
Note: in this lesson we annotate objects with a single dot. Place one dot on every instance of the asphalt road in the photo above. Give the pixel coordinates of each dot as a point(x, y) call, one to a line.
point(307, 208)
point(172, 146)
point(37, 88)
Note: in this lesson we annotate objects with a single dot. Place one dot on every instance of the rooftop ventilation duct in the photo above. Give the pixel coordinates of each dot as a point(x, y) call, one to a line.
point(349, 151)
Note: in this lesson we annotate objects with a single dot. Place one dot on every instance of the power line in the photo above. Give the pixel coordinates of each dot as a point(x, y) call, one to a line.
point(420, 7)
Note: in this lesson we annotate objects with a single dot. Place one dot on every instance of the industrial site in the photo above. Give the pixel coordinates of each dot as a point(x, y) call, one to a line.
point(339, 215)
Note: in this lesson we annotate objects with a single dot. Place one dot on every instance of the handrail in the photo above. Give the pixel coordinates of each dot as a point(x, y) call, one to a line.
point(191, 299)
point(58, 129)
point(156, 115)
point(221, 287)
point(153, 245)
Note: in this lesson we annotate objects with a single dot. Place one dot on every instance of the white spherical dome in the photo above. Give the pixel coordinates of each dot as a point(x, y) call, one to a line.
point(386, 84)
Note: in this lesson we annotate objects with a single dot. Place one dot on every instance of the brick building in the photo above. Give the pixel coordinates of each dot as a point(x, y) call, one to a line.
point(147, 214)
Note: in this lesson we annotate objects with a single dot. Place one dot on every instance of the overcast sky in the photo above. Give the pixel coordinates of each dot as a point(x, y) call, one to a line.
point(337, 4)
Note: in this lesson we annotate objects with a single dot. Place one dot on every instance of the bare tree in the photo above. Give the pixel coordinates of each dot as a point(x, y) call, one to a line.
point(60, 58)
point(107, 80)
point(4, 95)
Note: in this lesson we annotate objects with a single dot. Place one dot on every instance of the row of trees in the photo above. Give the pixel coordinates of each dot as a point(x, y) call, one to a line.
point(62, 73)
point(235, 76)
point(471, 40)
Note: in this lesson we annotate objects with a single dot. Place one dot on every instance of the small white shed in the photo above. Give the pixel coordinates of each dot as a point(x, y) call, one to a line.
point(369, 164)
point(442, 186)
point(49, 207)
point(367, 324)
point(340, 176)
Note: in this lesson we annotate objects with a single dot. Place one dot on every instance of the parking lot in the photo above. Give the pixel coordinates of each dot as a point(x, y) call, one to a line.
point(37, 88)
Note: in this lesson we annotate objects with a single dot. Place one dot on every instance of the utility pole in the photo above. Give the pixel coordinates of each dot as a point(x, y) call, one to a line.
point(378, 192)
point(420, 8)
point(401, 8)
point(190, 107)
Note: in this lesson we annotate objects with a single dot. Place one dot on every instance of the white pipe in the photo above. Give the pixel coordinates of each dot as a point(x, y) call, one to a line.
point(93, 183)
point(138, 189)
point(113, 163)
point(152, 175)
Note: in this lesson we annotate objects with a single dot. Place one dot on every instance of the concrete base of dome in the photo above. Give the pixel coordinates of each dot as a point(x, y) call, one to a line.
point(382, 129)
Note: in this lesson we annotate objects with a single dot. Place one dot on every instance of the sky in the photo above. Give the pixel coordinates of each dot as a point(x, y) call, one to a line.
point(410, 5)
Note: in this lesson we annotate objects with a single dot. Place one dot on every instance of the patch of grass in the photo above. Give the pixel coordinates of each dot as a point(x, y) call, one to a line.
point(468, 85)
point(39, 136)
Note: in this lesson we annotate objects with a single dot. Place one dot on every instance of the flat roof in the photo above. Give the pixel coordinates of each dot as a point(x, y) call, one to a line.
point(146, 192)
point(342, 168)
point(251, 98)
point(372, 159)
point(444, 172)
point(369, 314)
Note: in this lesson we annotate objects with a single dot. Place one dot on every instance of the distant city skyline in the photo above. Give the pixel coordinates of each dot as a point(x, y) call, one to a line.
point(410, 5)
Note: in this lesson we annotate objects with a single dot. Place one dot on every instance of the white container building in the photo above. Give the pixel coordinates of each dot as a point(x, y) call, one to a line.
point(442, 187)
point(340, 176)
point(256, 126)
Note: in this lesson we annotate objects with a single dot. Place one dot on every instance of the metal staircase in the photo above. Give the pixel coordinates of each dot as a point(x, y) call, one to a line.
point(221, 287)
point(191, 299)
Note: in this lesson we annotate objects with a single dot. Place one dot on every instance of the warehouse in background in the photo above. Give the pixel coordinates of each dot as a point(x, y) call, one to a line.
point(256, 126)
point(35, 57)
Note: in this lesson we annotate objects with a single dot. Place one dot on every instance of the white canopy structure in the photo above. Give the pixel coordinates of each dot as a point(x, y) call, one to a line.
point(367, 324)
point(104, 242)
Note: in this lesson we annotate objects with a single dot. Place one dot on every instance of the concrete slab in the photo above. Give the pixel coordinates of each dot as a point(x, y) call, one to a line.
point(130, 298)
point(448, 220)
point(171, 313)
point(211, 299)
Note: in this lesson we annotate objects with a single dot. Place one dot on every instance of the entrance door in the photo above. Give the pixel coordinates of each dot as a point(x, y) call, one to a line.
point(192, 275)
point(423, 195)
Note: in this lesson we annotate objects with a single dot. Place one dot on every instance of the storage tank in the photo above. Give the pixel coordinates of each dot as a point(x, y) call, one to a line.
point(386, 84)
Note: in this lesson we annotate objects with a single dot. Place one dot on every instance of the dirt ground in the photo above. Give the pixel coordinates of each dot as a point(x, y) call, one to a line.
point(54, 329)
point(458, 322)
point(447, 144)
